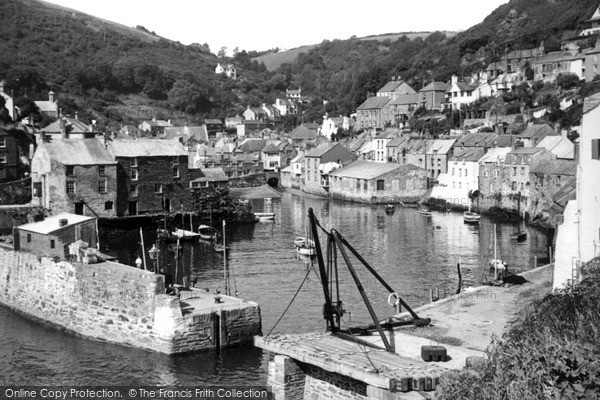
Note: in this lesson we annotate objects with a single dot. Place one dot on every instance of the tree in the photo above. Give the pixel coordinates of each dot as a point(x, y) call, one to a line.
point(222, 52)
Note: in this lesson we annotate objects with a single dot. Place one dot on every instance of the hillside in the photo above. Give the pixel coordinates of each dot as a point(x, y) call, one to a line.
point(93, 64)
point(344, 72)
point(274, 60)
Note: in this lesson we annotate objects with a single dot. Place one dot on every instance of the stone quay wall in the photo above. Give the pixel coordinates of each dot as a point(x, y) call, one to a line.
point(117, 303)
point(290, 379)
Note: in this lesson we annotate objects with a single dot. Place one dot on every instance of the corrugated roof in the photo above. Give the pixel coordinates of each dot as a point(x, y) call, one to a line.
point(212, 175)
point(79, 151)
point(146, 148)
point(559, 146)
point(374, 102)
point(365, 170)
point(51, 224)
point(556, 167)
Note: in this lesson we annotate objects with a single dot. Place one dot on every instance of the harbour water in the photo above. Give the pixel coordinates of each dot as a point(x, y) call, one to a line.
point(413, 253)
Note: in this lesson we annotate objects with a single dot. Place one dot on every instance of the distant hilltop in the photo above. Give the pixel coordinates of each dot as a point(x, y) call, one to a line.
point(274, 60)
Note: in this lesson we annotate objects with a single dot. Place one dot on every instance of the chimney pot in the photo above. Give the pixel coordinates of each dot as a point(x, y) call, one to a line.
point(63, 222)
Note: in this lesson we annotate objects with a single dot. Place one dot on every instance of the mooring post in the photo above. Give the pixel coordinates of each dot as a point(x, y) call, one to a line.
point(534, 261)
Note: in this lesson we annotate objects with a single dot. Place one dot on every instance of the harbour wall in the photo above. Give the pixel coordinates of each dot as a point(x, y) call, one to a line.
point(120, 304)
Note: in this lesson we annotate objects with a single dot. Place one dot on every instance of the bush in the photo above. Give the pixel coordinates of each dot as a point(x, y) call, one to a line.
point(551, 351)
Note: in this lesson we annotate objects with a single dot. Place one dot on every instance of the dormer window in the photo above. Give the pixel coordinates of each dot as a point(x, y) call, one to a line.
point(134, 162)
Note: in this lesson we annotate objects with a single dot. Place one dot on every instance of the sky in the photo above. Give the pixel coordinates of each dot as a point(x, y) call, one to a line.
point(266, 24)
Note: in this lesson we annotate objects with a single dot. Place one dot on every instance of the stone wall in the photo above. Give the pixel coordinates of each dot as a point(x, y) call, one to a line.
point(290, 379)
point(117, 303)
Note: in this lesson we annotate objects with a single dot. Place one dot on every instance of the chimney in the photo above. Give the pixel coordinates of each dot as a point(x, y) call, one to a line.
point(454, 79)
point(576, 151)
point(51, 96)
point(63, 129)
point(63, 222)
point(2, 83)
point(77, 115)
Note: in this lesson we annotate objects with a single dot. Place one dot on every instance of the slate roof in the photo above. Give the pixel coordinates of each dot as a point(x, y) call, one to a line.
point(556, 167)
point(365, 170)
point(566, 193)
point(213, 121)
point(302, 132)
point(390, 86)
point(146, 148)
point(47, 106)
point(403, 99)
point(435, 87)
point(397, 141)
point(374, 103)
point(477, 139)
point(197, 132)
point(311, 125)
point(536, 131)
point(72, 125)
point(591, 102)
point(555, 56)
point(51, 224)
point(252, 145)
point(441, 146)
point(319, 151)
point(79, 152)
point(471, 154)
point(271, 148)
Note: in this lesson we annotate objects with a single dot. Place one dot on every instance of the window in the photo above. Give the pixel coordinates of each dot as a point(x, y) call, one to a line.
point(485, 173)
point(175, 160)
point(52, 244)
point(2, 159)
point(365, 185)
point(466, 172)
point(558, 181)
point(2, 141)
point(102, 186)
point(108, 205)
point(358, 184)
point(459, 172)
point(134, 174)
point(513, 186)
point(70, 170)
point(514, 171)
point(102, 170)
point(134, 162)
point(595, 149)
point(29, 238)
point(522, 187)
point(158, 188)
point(70, 187)
point(495, 173)
point(522, 171)
point(380, 184)
point(134, 190)
point(452, 171)
point(176, 172)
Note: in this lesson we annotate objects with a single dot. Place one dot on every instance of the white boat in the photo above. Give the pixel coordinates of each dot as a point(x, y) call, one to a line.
point(471, 217)
point(184, 234)
point(425, 212)
point(305, 246)
point(207, 232)
point(264, 216)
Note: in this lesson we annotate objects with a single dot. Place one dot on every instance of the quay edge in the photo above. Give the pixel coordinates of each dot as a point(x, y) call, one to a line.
point(124, 305)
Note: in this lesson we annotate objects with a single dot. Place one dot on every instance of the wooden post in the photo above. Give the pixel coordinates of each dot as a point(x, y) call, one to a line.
point(459, 277)
point(176, 261)
point(534, 261)
point(225, 275)
point(143, 248)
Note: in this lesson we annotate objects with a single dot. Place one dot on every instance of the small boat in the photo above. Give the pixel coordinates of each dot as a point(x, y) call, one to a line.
point(264, 216)
point(471, 217)
point(185, 234)
point(207, 232)
point(520, 236)
point(389, 209)
point(425, 212)
point(304, 246)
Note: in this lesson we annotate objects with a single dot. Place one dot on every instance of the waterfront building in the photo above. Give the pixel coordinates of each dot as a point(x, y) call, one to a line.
point(75, 175)
point(317, 166)
point(396, 150)
point(578, 237)
point(375, 182)
point(547, 179)
point(53, 236)
point(433, 155)
point(153, 175)
point(209, 177)
point(491, 176)
point(462, 178)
